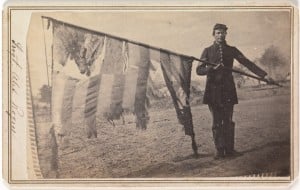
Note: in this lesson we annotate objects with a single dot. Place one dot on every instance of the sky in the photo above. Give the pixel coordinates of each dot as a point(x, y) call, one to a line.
point(186, 32)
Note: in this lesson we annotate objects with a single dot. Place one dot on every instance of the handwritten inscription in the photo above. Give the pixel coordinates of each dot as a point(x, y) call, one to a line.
point(16, 111)
point(16, 47)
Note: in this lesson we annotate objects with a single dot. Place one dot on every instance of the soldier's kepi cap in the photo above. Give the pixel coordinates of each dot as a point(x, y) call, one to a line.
point(220, 26)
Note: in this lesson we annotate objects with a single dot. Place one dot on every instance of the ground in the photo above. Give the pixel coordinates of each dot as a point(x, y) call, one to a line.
point(262, 135)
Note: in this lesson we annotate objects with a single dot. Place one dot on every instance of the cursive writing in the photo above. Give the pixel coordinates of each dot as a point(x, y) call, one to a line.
point(15, 112)
point(16, 51)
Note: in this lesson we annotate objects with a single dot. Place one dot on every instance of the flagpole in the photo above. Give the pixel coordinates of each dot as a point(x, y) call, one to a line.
point(240, 72)
point(116, 37)
point(157, 48)
point(45, 51)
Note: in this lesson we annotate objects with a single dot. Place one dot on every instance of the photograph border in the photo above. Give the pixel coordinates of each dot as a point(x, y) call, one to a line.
point(151, 181)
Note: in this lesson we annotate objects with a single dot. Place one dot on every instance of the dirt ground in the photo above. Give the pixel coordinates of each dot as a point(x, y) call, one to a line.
point(262, 135)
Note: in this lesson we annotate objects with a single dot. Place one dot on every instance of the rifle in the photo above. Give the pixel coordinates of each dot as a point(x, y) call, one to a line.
point(240, 72)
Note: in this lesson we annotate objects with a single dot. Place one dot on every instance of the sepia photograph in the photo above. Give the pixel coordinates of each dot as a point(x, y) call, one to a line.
point(151, 93)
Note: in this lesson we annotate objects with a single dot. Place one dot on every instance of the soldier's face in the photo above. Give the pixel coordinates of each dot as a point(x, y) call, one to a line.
point(220, 35)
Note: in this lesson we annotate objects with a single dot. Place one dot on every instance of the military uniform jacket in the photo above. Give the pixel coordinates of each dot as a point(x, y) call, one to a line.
point(220, 87)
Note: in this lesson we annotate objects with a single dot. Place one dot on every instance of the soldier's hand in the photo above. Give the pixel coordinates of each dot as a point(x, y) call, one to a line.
point(203, 69)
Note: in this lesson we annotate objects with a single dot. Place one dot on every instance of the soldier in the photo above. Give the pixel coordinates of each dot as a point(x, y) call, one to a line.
point(220, 92)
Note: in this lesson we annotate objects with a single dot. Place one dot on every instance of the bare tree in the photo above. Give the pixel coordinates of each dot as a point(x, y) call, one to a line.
point(273, 59)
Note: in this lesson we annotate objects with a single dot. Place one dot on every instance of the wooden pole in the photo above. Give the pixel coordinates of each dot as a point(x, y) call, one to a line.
point(159, 49)
point(240, 72)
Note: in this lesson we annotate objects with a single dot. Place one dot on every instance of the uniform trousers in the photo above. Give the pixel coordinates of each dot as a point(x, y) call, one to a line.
point(223, 128)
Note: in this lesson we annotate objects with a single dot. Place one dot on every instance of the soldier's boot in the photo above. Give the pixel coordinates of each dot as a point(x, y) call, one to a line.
point(229, 140)
point(218, 135)
point(229, 137)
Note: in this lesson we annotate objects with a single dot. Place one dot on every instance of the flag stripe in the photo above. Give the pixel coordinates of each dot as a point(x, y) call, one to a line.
point(131, 76)
point(118, 88)
point(59, 81)
point(130, 88)
point(92, 94)
point(165, 66)
point(91, 101)
point(92, 90)
point(117, 96)
point(91, 112)
point(94, 82)
point(175, 66)
point(105, 93)
point(66, 113)
point(90, 109)
point(119, 81)
point(112, 70)
point(79, 101)
point(179, 69)
point(92, 97)
point(186, 74)
point(140, 108)
point(113, 57)
point(143, 73)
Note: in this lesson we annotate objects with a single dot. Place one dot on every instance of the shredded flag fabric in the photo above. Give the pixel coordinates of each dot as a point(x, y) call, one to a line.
point(177, 74)
point(99, 76)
